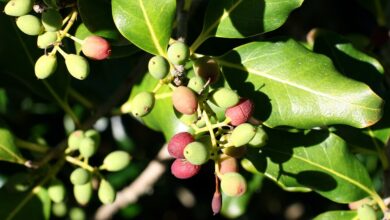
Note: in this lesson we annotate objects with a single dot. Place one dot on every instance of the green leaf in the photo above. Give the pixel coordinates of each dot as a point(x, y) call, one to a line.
point(38, 207)
point(339, 215)
point(244, 18)
point(294, 87)
point(97, 17)
point(8, 150)
point(318, 160)
point(3, 101)
point(162, 117)
point(146, 23)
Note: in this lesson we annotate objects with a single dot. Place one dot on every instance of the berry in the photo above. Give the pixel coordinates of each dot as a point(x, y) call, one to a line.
point(45, 66)
point(51, 20)
point(182, 169)
point(74, 139)
point(233, 184)
point(77, 213)
point(77, 66)
point(184, 100)
point(56, 191)
point(18, 7)
point(260, 138)
point(19, 182)
point(106, 192)
point(196, 153)
point(197, 84)
point(59, 209)
point(178, 53)
point(80, 176)
point(92, 133)
point(83, 193)
point(29, 24)
point(177, 144)
point(116, 161)
point(207, 68)
point(187, 119)
point(158, 67)
point(240, 113)
point(242, 134)
point(87, 147)
point(46, 39)
point(142, 104)
point(224, 98)
point(96, 48)
point(216, 202)
point(227, 164)
point(366, 212)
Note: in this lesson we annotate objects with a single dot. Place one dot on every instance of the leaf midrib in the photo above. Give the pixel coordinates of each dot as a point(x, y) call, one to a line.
point(292, 84)
point(6, 150)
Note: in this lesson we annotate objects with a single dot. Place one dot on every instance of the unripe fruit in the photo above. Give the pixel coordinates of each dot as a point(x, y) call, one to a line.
point(56, 191)
point(142, 104)
point(227, 164)
point(178, 53)
point(80, 176)
point(196, 153)
point(182, 169)
point(242, 134)
point(51, 20)
point(77, 213)
point(240, 113)
point(77, 66)
point(224, 97)
point(187, 119)
point(46, 39)
point(29, 24)
point(96, 48)
point(87, 147)
point(260, 138)
point(366, 212)
point(184, 100)
point(207, 68)
point(236, 152)
point(83, 193)
point(19, 182)
point(177, 144)
point(59, 209)
point(197, 84)
point(158, 67)
point(233, 184)
point(216, 202)
point(45, 66)
point(74, 139)
point(116, 161)
point(18, 7)
point(95, 135)
point(106, 192)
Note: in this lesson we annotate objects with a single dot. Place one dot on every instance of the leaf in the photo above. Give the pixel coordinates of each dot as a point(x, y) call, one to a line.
point(3, 101)
point(318, 160)
point(162, 117)
point(36, 208)
point(292, 86)
point(8, 150)
point(146, 23)
point(244, 18)
point(97, 17)
point(339, 215)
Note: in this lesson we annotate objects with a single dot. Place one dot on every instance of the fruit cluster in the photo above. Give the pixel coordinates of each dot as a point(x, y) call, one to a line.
point(51, 28)
point(220, 122)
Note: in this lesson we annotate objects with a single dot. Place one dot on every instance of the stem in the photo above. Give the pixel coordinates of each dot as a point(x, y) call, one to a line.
point(70, 23)
point(217, 125)
point(210, 128)
point(36, 189)
point(201, 38)
point(79, 163)
point(380, 151)
point(381, 19)
point(163, 95)
point(80, 98)
point(31, 146)
point(75, 39)
point(158, 86)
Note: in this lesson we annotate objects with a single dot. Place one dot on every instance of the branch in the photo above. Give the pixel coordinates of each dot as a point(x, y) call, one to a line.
point(137, 188)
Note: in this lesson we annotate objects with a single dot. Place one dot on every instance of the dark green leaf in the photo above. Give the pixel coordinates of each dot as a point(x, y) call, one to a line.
point(294, 87)
point(318, 160)
point(244, 18)
point(97, 17)
point(38, 207)
point(339, 215)
point(146, 23)
point(3, 101)
point(8, 151)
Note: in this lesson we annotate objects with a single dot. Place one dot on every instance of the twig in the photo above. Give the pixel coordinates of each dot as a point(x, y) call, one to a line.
point(140, 186)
